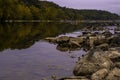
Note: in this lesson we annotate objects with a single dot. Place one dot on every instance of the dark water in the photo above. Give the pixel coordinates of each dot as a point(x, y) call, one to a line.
point(24, 55)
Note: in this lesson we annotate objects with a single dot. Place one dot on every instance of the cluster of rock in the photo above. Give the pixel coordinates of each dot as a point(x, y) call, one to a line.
point(102, 59)
point(102, 40)
point(102, 65)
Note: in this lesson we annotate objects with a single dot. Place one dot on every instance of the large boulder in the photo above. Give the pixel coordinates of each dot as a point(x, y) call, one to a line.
point(92, 62)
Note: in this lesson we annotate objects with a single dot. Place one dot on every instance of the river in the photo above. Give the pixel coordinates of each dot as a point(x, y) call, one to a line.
point(24, 55)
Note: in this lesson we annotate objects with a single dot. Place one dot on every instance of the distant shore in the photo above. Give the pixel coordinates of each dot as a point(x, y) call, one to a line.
point(77, 21)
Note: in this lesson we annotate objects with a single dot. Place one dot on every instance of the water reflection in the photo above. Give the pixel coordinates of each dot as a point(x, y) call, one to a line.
point(24, 35)
point(25, 56)
point(21, 36)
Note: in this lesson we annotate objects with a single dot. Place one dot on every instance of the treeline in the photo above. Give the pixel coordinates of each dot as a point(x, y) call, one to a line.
point(44, 10)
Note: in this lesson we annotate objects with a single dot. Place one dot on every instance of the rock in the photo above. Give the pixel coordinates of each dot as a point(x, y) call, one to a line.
point(100, 40)
point(44, 79)
point(114, 41)
point(86, 33)
point(113, 55)
point(62, 39)
point(107, 33)
point(92, 39)
point(53, 77)
point(103, 47)
point(117, 64)
point(79, 40)
point(88, 66)
point(114, 74)
point(74, 44)
point(63, 49)
point(75, 78)
point(51, 39)
point(100, 74)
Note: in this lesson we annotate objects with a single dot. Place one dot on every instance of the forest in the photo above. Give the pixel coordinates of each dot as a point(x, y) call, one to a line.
point(44, 10)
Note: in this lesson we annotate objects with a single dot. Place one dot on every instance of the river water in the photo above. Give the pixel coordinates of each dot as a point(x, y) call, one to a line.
point(24, 55)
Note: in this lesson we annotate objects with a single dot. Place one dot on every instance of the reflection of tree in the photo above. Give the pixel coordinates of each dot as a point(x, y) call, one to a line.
point(19, 36)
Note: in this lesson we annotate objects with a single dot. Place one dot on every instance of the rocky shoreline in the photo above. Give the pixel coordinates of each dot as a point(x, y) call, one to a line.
point(103, 65)
point(102, 58)
point(86, 41)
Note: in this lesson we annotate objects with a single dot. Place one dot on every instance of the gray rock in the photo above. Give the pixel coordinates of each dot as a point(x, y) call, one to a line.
point(100, 74)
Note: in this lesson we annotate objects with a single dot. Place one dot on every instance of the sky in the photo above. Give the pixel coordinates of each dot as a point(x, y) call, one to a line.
point(109, 5)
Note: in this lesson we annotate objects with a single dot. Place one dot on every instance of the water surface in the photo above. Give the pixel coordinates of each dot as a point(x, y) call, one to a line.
point(24, 55)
